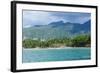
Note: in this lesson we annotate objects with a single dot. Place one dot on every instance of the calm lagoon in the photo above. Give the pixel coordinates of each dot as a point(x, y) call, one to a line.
point(62, 54)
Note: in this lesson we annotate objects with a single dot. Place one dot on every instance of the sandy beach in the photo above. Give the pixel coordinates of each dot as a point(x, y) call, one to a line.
point(56, 48)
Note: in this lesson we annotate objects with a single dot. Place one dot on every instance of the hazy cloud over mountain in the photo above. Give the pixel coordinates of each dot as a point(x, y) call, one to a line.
point(31, 18)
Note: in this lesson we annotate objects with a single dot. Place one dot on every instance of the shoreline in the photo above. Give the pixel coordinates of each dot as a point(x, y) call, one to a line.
point(56, 48)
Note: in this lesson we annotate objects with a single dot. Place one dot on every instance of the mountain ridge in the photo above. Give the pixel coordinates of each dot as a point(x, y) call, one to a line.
point(57, 29)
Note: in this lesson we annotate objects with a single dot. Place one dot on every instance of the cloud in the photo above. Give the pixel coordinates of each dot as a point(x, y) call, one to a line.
point(31, 18)
point(74, 17)
point(34, 18)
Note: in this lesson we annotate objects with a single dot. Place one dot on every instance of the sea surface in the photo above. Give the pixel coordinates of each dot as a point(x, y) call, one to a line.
point(63, 54)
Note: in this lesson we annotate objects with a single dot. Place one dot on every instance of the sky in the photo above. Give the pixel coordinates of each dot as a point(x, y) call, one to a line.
point(31, 18)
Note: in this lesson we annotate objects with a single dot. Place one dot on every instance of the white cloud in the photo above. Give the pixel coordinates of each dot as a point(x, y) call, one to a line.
point(38, 17)
point(31, 18)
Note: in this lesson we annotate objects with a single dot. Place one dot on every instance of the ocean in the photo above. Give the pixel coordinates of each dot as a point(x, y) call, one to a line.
point(30, 55)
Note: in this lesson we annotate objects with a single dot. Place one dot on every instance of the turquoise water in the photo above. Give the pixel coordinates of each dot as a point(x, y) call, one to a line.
point(46, 55)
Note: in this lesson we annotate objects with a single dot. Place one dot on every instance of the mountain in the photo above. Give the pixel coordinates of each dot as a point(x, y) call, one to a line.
point(55, 24)
point(57, 29)
point(82, 28)
point(87, 26)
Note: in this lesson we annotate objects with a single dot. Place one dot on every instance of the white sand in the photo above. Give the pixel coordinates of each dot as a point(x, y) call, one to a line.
point(56, 48)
